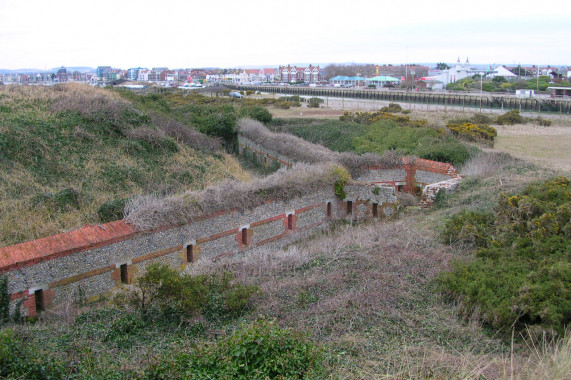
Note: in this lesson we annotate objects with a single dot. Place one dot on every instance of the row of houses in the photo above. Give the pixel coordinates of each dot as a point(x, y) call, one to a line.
point(287, 74)
point(61, 75)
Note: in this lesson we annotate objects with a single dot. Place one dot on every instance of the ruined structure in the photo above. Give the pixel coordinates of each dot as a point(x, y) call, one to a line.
point(91, 261)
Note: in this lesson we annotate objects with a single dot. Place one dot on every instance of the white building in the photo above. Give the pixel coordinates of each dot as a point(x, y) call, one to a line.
point(453, 74)
point(501, 71)
point(143, 75)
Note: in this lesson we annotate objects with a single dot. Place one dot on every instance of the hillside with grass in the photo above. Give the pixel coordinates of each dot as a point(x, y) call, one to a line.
point(72, 155)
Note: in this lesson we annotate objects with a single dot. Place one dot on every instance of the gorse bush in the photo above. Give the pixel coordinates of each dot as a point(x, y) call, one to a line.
point(522, 275)
point(469, 227)
point(473, 132)
point(373, 117)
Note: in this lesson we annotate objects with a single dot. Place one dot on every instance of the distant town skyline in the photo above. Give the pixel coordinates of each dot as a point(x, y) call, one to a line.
point(43, 35)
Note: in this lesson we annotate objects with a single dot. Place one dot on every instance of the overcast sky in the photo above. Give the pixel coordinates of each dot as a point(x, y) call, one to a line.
point(228, 33)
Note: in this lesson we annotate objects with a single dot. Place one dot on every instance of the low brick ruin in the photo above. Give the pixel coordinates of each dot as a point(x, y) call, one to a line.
point(91, 261)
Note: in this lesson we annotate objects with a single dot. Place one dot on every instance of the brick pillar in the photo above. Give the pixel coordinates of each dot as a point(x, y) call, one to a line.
point(189, 253)
point(30, 302)
point(290, 222)
point(244, 237)
point(130, 269)
point(410, 177)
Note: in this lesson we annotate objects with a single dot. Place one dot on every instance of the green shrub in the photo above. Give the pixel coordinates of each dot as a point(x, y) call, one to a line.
point(510, 118)
point(339, 186)
point(392, 108)
point(444, 150)
point(214, 120)
point(522, 273)
point(282, 104)
point(260, 350)
point(111, 210)
point(481, 118)
point(294, 98)
point(257, 113)
point(314, 102)
point(21, 359)
point(165, 289)
point(543, 122)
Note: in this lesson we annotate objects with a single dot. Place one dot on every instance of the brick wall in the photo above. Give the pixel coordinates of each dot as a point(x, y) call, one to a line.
point(91, 261)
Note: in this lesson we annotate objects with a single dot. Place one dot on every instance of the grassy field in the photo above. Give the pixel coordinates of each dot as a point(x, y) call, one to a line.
point(545, 146)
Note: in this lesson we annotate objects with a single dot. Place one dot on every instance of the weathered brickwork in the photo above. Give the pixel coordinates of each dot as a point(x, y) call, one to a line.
point(86, 272)
point(268, 230)
point(424, 177)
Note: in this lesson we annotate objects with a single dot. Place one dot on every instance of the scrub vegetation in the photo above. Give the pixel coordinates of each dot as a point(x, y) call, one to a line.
point(477, 287)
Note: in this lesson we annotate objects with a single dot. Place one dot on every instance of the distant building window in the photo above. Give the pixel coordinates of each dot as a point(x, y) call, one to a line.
point(329, 213)
point(349, 207)
point(375, 210)
point(290, 222)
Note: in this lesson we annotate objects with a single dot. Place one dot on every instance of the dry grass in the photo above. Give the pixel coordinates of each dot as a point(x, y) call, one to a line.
point(186, 135)
point(51, 151)
point(299, 150)
point(548, 147)
point(485, 164)
point(365, 292)
point(153, 211)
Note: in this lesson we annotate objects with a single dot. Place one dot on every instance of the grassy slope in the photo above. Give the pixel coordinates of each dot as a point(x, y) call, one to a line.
point(47, 147)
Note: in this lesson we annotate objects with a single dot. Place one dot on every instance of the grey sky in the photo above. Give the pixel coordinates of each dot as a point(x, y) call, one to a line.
point(176, 33)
